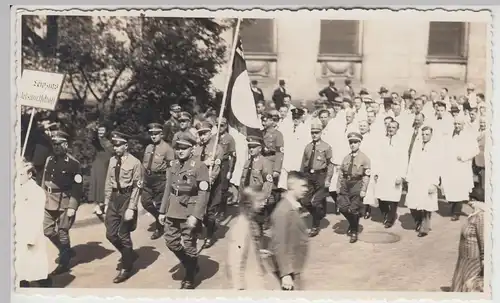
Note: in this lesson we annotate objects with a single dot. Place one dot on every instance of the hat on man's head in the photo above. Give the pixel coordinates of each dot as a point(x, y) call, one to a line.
point(59, 136)
point(471, 86)
point(155, 127)
point(175, 107)
point(185, 139)
point(363, 91)
point(383, 89)
point(354, 136)
point(185, 116)
point(281, 82)
point(338, 100)
point(454, 109)
point(316, 126)
point(297, 113)
point(367, 99)
point(204, 126)
point(119, 138)
point(255, 140)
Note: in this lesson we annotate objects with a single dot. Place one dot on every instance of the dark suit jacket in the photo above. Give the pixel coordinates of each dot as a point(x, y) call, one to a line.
point(278, 97)
point(259, 95)
point(289, 239)
point(329, 93)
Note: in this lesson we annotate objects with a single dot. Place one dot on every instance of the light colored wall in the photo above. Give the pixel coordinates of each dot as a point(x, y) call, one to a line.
point(394, 55)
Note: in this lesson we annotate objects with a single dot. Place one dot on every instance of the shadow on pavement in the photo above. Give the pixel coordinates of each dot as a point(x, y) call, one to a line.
point(377, 215)
point(208, 268)
point(341, 227)
point(86, 253)
point(147, 256)
point(322, 225)
point(407, 221)
point(62, 280)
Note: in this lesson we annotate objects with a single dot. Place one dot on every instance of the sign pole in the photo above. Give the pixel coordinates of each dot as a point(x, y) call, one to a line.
point(33, 111)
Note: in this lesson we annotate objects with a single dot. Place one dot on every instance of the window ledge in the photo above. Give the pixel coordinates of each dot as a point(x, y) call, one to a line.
point(261, 56)
point(445, 60)
point(340, 58)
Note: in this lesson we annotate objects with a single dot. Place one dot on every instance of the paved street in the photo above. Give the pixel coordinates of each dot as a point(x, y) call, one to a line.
point(410, 264)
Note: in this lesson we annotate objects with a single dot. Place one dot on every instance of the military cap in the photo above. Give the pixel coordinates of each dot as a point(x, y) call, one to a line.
point(255, 140)
point(155, 127)
point(383, 89)
point(118, 138)
point(338, 100)
point(297, 113)
point(204, 126)
point(185, 140)
point(354, 136)
point(175, 108)
point(317, 126)
point(367, 99)
point(59, 136)
point(185, 116)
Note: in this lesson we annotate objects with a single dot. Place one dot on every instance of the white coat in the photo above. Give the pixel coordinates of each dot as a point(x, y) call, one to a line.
point(391, 164)
point(295, 143)
point(31, 264)
point(334, 135)
point(457, 176)
point(368, 147)
point(423, 173)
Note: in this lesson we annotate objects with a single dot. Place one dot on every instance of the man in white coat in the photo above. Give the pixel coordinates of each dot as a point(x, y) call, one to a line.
point(457, 175)
point(369, 146)
point(392, 161)
point(423, 181)
point(31, 262)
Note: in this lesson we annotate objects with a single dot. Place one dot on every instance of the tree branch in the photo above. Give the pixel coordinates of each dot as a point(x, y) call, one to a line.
point(88, 84)
point(77, 91)
point(113, 84)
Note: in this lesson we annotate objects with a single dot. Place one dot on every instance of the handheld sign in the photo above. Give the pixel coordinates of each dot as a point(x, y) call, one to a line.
point(39, 90)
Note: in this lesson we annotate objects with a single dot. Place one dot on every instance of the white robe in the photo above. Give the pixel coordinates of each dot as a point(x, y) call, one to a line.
point(31, 264)
point(457, 176)
point(295, 143)
point(392, 161)
point(423, 173)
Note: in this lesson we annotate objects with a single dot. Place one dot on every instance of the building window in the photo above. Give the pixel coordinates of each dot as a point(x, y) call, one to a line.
point(340, 38)
point(447, 40)
point(258, 36)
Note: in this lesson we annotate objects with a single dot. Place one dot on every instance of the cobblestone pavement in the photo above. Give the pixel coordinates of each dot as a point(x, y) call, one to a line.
point(410, 264)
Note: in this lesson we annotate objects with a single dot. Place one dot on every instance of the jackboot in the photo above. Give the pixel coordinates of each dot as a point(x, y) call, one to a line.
point(192, 269)
point(159, 231)
point(127, 264)
point(210, 238)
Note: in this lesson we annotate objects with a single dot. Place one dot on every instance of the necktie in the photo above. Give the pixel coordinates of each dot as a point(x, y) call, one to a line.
point(150, 162)
point(249, 172)
point(202, 156)
point(117, 172)
point(294, 128)
point(311, 158)
point(390, 140)
point(455, 133)
point(351, 165)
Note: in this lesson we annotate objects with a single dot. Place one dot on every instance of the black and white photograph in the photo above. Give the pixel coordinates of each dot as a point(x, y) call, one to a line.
point(251, 151)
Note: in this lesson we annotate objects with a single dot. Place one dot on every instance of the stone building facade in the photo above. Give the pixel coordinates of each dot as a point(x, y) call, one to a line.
point(398, 54)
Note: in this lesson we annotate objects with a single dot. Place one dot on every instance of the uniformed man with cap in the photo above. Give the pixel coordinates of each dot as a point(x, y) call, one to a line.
point(183, 206)
point(352, 184)
point(122, 192)
point(62, 181)
point(318, 166)
point(257, 174)
point(227, 166)
point(185, 126)
point(204, 152)
point(172, 125)
point(273, 148)
point(157, 158)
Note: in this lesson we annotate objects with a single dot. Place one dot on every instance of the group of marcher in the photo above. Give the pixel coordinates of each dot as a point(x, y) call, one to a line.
point(362, 151)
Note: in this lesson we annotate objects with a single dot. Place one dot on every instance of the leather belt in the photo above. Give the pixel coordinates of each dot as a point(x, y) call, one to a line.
point(178, 193)
point(124, 190)
point(51, 190)
point(313, 171)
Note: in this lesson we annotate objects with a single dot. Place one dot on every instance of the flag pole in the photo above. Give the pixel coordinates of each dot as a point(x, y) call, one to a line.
point(224, 96)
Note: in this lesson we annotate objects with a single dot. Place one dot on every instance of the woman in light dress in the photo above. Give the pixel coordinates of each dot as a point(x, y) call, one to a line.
point(31, 262)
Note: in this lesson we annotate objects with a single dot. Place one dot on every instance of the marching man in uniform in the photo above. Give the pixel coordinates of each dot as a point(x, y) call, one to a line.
point(352, 184)
point(204, 153)
point(183, 206)
point(122, 192)
point(257, 174)
point(62, 182)
point(318, 167)
point(157, 158)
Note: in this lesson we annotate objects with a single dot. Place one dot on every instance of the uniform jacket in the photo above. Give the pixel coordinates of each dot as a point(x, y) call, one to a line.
point(186, 190)
point(322, 158)
point(161, 158)
point(62, 181)
point(31, 263)
point(131, 176)
point(392, 163)
point(206, 151)
point(258, 95)
point(274, 147)
point(457, 176)
point(289, 239)
point(260, 176)
point(361, 171)
point(423, 173)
